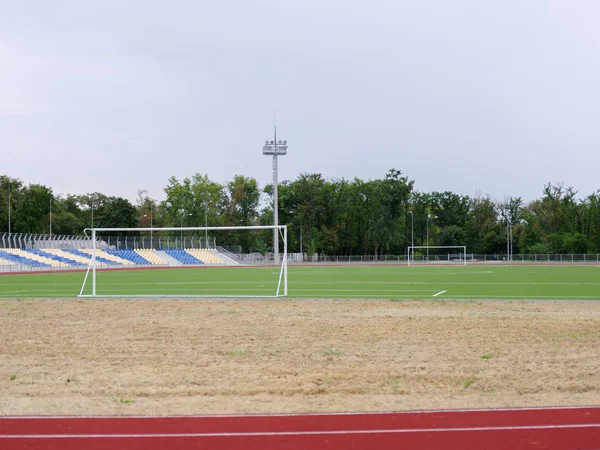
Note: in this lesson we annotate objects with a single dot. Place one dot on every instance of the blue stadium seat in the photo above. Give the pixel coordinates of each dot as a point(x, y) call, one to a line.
point(130, 255)
point(88, 256)
point(70, 262)
point(22, 260)
point(183, 257)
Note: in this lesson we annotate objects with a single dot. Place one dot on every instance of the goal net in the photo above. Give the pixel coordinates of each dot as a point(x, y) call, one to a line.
point(179, 264)
point(430, 254)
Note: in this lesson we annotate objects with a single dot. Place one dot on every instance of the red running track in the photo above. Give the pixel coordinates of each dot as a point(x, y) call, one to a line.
point(547, 428)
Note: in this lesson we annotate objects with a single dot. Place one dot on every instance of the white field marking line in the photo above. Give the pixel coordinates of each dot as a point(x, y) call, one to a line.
point(458, 283)
point(480, 297)
point(439, 293)
point(360, 290)
point(298, 433)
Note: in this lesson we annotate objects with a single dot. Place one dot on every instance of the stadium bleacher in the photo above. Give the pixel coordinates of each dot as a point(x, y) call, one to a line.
point(88, 256)
point(62, 260)
point(6, 262)
point(183, 257)
point(106, 255)
point(151, 257)
point(78, 258)
point(17, 258)
point(33, 256)
point(130, 255)
point(204, 255)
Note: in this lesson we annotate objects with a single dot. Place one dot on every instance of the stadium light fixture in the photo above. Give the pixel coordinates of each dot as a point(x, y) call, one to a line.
point(275, 148)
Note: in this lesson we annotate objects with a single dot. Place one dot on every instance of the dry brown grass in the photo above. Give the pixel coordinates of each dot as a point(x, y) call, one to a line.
point(154, 357)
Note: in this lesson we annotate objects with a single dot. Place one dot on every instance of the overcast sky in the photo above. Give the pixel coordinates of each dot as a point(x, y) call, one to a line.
point(498, 97)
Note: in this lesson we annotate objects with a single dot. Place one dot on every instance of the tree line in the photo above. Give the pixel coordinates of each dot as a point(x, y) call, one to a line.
point(326, 216)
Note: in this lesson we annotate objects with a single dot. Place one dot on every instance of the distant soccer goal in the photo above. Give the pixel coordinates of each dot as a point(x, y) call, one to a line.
point(243, 277)
point(459, 257)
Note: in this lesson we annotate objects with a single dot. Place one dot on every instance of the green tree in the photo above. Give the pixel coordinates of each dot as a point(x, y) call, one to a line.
point(241, 202)
point(116, 212)
point(33, 213)
point(10, 189)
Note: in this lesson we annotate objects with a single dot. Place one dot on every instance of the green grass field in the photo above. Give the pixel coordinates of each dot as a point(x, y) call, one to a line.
point(387, 282)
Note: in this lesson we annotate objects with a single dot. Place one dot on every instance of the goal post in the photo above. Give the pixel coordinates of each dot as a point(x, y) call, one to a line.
point(280, 287)
point(462, 253)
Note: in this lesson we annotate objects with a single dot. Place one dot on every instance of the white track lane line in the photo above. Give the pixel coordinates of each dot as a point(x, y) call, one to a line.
point(298, 433)
point(439, 293)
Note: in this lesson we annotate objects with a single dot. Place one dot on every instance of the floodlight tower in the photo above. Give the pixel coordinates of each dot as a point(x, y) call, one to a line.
point(276, 149)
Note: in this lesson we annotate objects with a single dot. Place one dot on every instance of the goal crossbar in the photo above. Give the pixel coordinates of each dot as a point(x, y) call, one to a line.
point(282, 282)
point(411, 251)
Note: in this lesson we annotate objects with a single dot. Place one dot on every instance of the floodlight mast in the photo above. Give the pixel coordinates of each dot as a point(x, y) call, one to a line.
point(275, 148)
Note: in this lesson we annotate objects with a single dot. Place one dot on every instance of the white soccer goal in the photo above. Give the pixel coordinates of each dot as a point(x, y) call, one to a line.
point(279, 285)
point(462, 254)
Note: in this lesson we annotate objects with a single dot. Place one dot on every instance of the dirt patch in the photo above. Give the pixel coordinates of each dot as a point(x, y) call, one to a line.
point(149, 357)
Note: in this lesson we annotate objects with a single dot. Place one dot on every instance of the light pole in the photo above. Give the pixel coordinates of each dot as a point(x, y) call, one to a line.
point(146, 215)
point(151, 224)
point(206, 224)
point(429, 217)
point(182, 217)
point(51, 198)
point(511, 242)
point(9, 208)
point(508, 240)
point(275, 148)
point(412, 234)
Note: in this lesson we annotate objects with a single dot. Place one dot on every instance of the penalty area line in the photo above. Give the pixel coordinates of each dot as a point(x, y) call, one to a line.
point(439, 293)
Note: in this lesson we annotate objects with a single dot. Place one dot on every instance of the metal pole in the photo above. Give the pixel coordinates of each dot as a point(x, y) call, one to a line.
point(151, 208)
point(275, 203)
point(507, 242)
point(93, 262)
point(50, 216)
point(275, 148)
point(9, 208)
point(412, 234)
point(511, 242)
point(189, 214)
point(206, 225)
point(285, 261)
point(427, 237)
